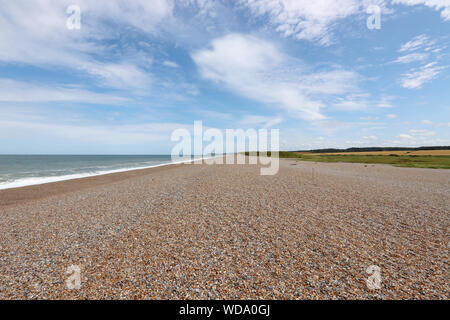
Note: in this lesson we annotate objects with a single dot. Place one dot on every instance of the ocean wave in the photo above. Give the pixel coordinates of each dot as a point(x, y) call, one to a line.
point(30, 181)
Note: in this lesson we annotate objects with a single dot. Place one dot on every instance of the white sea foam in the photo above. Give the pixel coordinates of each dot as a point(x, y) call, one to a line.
point(42, 180)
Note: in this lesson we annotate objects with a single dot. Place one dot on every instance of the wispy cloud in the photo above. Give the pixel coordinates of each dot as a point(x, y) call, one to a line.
point(259, 70)
point(385, 102)
point(416, 43)
point(412, 57)
point(353, 102)
point(315, 20)
point(436, 124)
point(17, 91)
point(421, 49)
point(118, 75)
point(309, 20)
point(260, 121)
point(417, 137)
point(362, 101)
point(416, 78)
point(170, 64)
point(38, 31)
point(81, 133)
point(440, 5)
point(422, 132)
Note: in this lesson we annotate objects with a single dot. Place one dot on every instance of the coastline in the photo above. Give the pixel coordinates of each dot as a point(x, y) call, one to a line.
point(53, 179)
point(19, 195)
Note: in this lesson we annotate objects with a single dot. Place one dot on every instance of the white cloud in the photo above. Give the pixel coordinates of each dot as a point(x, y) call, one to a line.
point(315, 20)
point(361, 101)
point(16, 91)
point(170, 64)
point(309, 20)
point(436, 124)
point(391, 116)
point(412, 57)
point(260, 121)
point(91, 133)
point(422, 132)
point(141, 14)
point(439, 5)
point(205, 7)
point(416, 43)
point(118, 75)
point(417, 136)
point(329, 82)
point(385, 102)
point(257, 69)
point(39, 35)
point(369, 118)
point(352, 102)
point(297, 139)
point(214, 115)
point(419, 76)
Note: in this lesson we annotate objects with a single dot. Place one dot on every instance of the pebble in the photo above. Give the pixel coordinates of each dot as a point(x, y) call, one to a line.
point(225, 232)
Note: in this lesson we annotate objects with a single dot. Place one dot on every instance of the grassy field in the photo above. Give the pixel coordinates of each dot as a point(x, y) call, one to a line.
point(387, 153)
point(399, 160)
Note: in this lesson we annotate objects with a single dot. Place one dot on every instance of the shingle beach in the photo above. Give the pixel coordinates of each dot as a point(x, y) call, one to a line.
point(226, 232)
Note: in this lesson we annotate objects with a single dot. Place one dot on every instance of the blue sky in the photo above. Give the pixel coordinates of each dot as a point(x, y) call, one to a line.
point(138, 70)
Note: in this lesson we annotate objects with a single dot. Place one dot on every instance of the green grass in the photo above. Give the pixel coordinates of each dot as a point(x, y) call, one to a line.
point(413, 161)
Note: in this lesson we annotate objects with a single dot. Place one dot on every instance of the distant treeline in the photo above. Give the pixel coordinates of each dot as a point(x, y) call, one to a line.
point(371, 149)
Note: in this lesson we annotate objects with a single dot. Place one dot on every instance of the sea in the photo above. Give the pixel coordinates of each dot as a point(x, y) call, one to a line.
point(25, 170)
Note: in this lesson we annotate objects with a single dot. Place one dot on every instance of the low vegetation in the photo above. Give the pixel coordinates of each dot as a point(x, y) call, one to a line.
point(395, 158)
point(379, 149)
point(402, 152)
point(413, 161)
